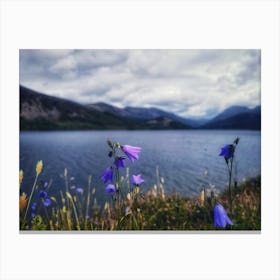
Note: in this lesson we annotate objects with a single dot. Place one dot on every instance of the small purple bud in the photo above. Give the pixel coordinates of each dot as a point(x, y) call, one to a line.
point(110, 189)
point(47, 202)
point(43, 194)
point(79, 190)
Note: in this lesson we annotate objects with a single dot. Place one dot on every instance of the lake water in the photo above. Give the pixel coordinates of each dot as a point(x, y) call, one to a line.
point(181, 156)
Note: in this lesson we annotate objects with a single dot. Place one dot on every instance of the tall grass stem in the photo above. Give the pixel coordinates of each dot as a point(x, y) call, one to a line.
point(30, 198)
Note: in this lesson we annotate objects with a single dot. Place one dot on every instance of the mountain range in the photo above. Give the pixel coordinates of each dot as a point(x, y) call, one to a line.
point(43, 112)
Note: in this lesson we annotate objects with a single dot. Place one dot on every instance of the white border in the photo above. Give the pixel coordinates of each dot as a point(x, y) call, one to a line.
point(156, 24)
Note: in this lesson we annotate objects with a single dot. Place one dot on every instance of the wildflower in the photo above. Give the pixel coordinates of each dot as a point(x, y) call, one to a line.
point(119, 162)
point(72, 187)
point(34, 205)
point(221, 218)
point(227, 151)
point(22, 201)
point(43, 194)
point(20, 176)
point(39, 167)
point(107, 175)
point(131, 152)
point(45, 185)
point(47, 202)
point(33, 215)
point(79, 190)
point(137, 180)
point(110, 188)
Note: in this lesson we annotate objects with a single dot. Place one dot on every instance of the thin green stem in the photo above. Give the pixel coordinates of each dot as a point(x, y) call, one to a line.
point(88, 201)
point(46, 212)
point(75, 210)
point(30, 198)
point(67, 188)
point(118, 192)
point(229, 185)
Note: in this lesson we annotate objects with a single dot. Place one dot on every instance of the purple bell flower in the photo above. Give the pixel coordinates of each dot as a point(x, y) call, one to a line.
point(227, 152)
point(110, 188)
point(137, 180)
point(131, 152)
point(107, 175)
point(221, 218)
point(119, 162)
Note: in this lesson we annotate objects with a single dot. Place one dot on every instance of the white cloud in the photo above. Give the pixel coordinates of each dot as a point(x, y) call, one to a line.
point(192, 83)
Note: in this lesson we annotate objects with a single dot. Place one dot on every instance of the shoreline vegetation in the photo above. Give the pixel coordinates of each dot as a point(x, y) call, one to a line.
point(153, 210)
point(128, 208)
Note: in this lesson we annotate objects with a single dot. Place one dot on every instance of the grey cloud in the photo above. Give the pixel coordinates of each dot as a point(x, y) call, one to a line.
point(191, 83)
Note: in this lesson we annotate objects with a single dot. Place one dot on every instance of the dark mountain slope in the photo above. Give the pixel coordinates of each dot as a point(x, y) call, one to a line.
point(42, 112)
point(230, 112)
point(140, 114)
point(248, 119)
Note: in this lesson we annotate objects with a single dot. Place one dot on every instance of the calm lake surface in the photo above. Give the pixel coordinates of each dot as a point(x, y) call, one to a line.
point(181, 156)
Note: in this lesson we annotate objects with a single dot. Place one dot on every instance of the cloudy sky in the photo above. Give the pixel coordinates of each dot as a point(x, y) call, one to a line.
point(190, 83)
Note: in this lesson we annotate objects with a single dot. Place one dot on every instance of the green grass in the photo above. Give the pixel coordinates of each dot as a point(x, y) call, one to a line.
point(153, 210)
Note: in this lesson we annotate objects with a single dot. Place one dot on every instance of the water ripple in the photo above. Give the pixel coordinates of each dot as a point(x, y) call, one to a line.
point(182, 157)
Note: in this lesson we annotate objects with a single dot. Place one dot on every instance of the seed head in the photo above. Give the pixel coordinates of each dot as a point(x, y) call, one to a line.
point(39, 167)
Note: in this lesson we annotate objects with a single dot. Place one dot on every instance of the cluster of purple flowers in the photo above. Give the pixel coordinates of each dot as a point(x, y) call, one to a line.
point(128, 152)
point(44, 195)
point(33, 208)
point(45, 199)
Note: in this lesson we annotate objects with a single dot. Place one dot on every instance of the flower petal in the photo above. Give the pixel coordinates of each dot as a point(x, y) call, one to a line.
point(107, 175)
point(221, 218)
point(110, 188)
